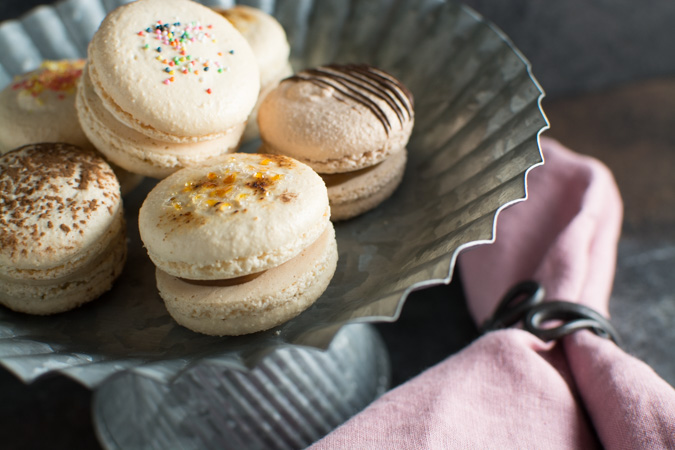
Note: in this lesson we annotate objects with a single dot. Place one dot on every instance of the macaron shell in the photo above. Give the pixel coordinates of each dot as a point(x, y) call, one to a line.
point(58, 202)
point(39, 106)
point(81, 260)
point(131, 70)
point(242, 215)
point(137, 152)
point(336, 124)
point(251, 131)
point(66, 293)
point(266, 37)
point(271, 298)
point(354, 193)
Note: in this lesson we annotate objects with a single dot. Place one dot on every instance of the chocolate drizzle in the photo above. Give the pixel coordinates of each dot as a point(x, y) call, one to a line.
point(360, 82)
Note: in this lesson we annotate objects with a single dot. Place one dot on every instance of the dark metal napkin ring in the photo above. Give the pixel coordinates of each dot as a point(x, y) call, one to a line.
point(525, 301)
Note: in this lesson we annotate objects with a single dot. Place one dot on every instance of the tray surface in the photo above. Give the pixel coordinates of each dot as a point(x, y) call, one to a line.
point(478, 120)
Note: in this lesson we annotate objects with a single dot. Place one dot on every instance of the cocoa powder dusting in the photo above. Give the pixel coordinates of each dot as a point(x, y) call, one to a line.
point(32, 180)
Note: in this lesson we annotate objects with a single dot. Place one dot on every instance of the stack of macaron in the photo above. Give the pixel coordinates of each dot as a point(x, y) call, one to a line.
point(39, 106)
point(242, 245)
point(62, 233)
point(241, 242)
point(268, 41)
point(350, 123)
point(168, 84)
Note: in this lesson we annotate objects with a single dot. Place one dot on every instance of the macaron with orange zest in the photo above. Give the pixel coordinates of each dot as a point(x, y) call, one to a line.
point(242, 245)
point(39, 106)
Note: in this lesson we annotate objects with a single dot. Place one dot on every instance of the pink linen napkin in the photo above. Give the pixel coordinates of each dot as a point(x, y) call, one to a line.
point(509, 389)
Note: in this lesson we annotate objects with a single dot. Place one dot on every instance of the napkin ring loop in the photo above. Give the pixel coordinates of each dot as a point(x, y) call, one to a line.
point(525, 301)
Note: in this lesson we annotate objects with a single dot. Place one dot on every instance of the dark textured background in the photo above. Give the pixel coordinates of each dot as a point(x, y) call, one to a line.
point(607, 68)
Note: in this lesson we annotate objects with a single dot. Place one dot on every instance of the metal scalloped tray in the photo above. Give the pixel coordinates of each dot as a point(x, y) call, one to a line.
point(478, 120)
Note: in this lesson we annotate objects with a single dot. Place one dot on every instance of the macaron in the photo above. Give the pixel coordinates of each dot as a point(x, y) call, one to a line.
point(63, 234)
point(342, 119)
point(242, 245)
point(269, 43)
point(125, 146)
point(174, 71)
point(39, 106)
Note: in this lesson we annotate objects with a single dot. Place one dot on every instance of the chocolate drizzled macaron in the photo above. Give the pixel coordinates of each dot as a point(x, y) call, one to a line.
point(241, 245)
point(62, 228)
point(347, 120)
point(173, 72)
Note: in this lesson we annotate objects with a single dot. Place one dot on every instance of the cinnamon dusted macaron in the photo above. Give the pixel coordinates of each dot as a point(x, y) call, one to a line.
point(39, 106)
point(62, 230)
point(171, 74)
point(351, 120)
point(269, 43)
point(242, 245)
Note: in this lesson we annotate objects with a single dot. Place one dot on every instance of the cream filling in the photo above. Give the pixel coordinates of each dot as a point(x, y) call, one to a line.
point(228, 282)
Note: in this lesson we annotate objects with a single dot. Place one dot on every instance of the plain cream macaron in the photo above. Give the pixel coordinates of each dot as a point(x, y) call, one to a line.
point(39, 106)
point(347, 120)
point(270, 46)
point(174, 71)
point(242, 245)
point(63, 231)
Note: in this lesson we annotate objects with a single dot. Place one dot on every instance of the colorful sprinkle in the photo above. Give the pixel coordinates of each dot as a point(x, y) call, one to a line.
point(177, 37)
point(208, 91)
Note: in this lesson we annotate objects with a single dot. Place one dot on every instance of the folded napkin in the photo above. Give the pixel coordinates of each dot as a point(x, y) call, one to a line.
point(509, 389)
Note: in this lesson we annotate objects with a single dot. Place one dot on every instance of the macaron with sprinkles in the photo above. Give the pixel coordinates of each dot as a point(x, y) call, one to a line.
point(351, 123)
point(242, 245)
point(174, 71)
point(62, 228)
